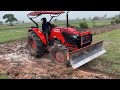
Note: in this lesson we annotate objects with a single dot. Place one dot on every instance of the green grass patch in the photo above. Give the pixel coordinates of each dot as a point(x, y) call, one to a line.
point(3, 76)
point(12, 34)
point(110, 61)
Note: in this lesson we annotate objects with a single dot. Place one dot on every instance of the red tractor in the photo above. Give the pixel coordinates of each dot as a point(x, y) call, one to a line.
point(66, 45)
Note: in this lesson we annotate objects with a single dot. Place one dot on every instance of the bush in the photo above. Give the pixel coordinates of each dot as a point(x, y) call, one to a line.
point(112, 22)
point(83, 25)
point(117, 21)
point(94, 26)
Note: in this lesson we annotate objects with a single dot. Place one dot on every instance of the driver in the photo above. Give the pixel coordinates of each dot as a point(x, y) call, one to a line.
point(45, 27)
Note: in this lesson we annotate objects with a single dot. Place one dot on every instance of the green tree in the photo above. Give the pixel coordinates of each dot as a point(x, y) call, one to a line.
point(77, 19)
point(84, 19)
point(90, 18)
point(1, 22)
point(83, 25)
point(119, 16)
point(10, 18)
point(105, 16)
point(96, 18)
point(56, 20)
point(94, 23)
point(117, 21)
point(22, 21)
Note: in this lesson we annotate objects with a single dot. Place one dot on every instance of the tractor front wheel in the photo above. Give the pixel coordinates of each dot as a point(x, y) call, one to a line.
point(58, 55)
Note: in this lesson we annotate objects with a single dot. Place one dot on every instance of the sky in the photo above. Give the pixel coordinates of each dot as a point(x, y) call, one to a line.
point(22, 15)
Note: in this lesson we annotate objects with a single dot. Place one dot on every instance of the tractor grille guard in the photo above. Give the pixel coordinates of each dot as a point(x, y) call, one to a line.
point(86, 39)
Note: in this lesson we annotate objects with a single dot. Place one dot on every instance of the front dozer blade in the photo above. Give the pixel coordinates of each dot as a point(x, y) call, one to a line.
point(86, 54)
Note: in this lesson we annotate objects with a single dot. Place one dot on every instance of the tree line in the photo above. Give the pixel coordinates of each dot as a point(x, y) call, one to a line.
point(9, 18)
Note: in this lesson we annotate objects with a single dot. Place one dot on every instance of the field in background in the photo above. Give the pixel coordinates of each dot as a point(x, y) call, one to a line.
point(110, 61)
point(90, 23)
point(19, 31)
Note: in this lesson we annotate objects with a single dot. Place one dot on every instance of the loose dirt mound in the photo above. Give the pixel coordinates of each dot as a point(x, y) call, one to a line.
point(103, 29)
point(16, 63)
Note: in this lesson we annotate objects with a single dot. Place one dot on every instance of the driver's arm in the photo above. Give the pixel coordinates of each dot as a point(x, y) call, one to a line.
point(53, 25)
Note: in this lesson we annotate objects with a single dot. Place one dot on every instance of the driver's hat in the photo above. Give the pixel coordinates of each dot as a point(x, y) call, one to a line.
point(43, 19)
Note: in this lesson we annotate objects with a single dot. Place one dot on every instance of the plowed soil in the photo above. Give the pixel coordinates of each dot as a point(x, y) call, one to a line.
point(16, 63)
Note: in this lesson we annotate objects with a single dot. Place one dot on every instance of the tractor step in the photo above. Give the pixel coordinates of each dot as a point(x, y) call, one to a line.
point(86, 54)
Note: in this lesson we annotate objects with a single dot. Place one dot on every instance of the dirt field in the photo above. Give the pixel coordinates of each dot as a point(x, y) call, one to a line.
point(16, 63)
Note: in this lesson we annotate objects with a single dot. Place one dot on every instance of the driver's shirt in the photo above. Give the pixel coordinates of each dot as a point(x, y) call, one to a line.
point(45, 27)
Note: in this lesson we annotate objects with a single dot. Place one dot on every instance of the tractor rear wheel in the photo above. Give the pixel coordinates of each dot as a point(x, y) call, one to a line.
point(58, 55)
point(35, 45)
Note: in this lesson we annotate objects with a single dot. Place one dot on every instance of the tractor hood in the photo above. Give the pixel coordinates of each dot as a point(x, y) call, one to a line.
point(74, 31)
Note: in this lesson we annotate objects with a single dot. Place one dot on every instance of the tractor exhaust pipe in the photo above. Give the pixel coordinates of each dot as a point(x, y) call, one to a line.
point(67, 19)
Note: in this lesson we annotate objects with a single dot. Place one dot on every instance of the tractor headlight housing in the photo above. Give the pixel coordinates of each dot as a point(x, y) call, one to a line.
point(75, 36)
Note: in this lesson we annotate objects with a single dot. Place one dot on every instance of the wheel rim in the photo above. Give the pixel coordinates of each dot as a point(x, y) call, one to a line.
point(33, 44)
point(60, 57)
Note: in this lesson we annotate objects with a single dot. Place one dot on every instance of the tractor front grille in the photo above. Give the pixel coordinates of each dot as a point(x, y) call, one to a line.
point(86, 39)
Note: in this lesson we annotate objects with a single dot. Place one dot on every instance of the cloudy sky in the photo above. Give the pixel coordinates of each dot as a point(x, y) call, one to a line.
point(22, 15)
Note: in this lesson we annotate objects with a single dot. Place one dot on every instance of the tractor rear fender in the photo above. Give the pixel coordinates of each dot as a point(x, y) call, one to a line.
point(40, 34)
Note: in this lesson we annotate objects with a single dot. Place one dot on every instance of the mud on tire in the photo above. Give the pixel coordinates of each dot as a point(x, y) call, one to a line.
point(58, 55)
point(35, 45)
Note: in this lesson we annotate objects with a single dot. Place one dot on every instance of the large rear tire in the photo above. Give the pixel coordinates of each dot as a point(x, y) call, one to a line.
point(34, 44)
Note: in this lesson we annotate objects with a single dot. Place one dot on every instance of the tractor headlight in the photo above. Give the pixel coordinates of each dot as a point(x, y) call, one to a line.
point(77, 35)
point(74, 36)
